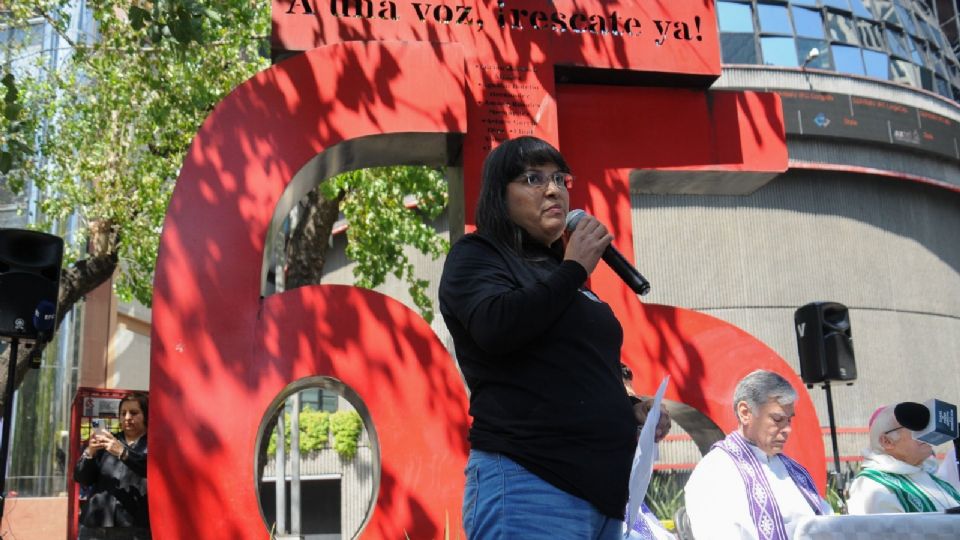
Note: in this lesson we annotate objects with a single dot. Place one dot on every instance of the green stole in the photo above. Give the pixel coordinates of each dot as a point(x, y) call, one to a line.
point(911, 497)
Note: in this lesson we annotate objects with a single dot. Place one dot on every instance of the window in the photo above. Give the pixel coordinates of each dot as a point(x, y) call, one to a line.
point(955, 74)
point(883, 9)
point(917, 52)
point(932, 34)
point(943, 88)
point(859, 10)
point(735, 17)
point(842, 28)
point(950, 55)
point(774, 19)
point(809, 22)
point(898, 43)
point(812, 3)
point(904, 72)
point(870, 34)
point(906, 20)
point(805, 45)
point(848, 59)
point(877, 64)
point(842, 4)
point(940, 67)
point(779, 51)
point(918, 7)
point(22, 46)
point(926, 79)
point(319, 400)
point(320, 493)
point(738, 49)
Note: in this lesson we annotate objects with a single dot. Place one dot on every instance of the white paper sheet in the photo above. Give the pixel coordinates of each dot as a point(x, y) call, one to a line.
point(643, 460)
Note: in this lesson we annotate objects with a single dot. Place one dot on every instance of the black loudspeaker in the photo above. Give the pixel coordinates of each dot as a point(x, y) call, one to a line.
point(825, 343)
point(29, 283)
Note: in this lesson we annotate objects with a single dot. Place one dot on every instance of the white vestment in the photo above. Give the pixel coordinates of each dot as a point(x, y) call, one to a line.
point(948, 468)
point(717, 502)
point(868, 496)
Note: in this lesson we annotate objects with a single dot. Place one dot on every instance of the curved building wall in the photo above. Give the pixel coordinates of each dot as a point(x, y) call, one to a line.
point(885, 248)
point(867, 222)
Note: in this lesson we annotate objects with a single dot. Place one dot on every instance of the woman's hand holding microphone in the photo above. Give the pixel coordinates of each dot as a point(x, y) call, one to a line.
point(587, 241)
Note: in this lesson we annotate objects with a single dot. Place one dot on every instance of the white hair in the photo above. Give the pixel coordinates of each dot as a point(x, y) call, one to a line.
point(759, 387)
point(882, 422)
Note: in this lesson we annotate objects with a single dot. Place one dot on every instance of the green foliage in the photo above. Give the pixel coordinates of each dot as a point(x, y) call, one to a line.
point(383, 220)
point(835, 500)
point(314, 431)
point(837, 486)
point(665, 494)
point(115, 118)
point(120, 111)
point(15, 131)
point(315, 427)
point(346, 427)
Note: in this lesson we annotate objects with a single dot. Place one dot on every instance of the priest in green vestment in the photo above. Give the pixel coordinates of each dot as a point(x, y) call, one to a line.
point(899, 472)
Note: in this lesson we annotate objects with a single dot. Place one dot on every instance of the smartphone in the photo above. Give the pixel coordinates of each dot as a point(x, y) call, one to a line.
point(98, 424)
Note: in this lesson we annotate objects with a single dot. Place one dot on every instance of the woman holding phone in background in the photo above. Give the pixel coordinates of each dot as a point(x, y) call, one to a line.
point(114, 465)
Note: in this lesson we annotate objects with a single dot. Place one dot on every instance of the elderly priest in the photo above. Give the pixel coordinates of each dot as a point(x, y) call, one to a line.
point(899, 472)
point(745, 487)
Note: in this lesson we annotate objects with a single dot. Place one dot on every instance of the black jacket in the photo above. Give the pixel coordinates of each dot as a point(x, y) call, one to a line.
point(541, 356)
point(119, 488)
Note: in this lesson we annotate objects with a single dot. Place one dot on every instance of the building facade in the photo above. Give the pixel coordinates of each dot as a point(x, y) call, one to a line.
point(864, 215)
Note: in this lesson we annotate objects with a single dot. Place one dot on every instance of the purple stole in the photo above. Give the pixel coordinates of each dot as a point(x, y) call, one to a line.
point(764, 509)
point(640, 525)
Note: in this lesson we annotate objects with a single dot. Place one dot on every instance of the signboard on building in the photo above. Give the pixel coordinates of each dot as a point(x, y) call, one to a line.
point(845, 116)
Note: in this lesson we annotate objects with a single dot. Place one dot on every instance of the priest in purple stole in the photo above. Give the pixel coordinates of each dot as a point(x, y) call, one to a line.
point(746, 487)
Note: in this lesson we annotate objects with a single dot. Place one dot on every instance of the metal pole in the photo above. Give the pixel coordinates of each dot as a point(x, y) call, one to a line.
point(833, 430)
point(7, 420)
point(281, 476)
point(295, 467)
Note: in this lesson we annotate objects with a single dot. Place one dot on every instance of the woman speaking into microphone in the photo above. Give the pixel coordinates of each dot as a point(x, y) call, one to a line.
point(553, 431)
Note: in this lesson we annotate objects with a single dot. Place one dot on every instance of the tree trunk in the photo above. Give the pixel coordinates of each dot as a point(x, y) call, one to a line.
point(76, 281)
point(306, 249)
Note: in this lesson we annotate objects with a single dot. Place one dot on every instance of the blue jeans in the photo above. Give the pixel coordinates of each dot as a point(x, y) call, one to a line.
point(504, 501)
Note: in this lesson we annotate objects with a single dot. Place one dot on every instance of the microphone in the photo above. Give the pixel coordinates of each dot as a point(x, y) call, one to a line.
point(911, 415)
point(615, 260)
point(933, 422)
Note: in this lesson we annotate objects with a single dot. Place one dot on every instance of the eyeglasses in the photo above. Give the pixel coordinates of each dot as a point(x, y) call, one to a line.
point(537, 179)
point(892, 430)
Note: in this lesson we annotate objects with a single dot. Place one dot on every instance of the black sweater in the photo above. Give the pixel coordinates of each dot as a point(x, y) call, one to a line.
point(541, 356)
point(119, 497)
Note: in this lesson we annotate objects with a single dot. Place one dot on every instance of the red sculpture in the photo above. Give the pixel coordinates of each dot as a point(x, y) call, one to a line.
point(620, 88)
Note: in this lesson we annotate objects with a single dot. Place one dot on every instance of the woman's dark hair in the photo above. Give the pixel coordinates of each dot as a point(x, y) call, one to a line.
point(501, 166)
point(141, 399)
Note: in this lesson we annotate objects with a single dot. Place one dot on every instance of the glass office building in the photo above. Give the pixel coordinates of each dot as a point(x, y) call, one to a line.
point(896, 40)
point(866, 213)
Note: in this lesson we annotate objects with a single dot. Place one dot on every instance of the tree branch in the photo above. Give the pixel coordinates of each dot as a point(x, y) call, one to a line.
point(306, 249)
point(46, 16)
